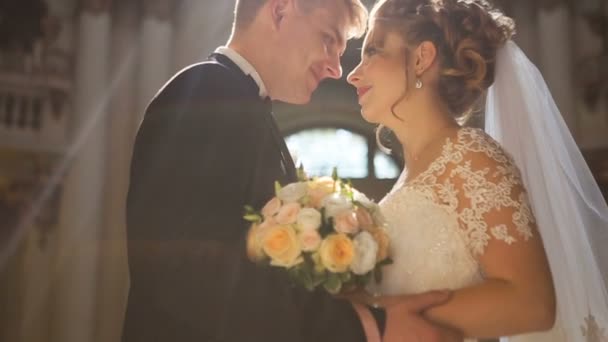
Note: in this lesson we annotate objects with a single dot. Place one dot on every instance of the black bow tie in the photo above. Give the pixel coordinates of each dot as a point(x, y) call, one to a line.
point(267, 103)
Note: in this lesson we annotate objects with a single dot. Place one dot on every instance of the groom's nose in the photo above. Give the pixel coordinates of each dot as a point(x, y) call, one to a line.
point(333, 68)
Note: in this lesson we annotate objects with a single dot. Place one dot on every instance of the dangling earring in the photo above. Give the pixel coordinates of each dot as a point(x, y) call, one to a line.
point(418, 83)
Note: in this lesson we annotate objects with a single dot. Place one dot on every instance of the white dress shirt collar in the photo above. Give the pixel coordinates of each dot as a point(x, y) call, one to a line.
point(245, 66)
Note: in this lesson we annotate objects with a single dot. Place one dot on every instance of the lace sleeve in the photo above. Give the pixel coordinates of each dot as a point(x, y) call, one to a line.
point(489, 198)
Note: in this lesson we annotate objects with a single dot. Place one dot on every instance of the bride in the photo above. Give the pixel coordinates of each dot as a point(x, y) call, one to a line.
point(479, 212)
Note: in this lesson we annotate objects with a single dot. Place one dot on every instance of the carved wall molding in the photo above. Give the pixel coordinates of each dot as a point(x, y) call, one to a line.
point(34, 112)
point(592, 70)
point(160, 9)
point(96, 6)
point(552, 4)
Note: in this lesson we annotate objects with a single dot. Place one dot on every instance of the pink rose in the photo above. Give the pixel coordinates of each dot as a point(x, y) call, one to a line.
point(288, 213)
point(310, 240)
point(320, 188)
point(271, 208)
point(364, 218)
point(346, 222)
point(269, 222)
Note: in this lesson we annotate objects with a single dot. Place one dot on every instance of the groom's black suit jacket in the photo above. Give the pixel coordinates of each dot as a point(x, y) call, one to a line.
point(207, 146)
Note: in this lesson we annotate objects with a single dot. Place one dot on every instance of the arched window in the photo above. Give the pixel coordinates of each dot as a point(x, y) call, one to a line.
point(355, 155)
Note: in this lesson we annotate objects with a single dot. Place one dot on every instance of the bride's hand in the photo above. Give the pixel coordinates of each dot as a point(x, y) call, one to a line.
point(406, 322)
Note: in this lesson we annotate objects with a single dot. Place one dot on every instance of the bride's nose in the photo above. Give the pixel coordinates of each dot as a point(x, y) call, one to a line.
point(354, 76)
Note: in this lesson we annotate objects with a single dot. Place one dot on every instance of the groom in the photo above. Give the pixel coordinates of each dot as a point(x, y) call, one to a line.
point(209, 145)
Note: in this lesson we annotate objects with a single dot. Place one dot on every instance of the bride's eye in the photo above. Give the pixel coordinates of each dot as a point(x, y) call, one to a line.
point(370, 50)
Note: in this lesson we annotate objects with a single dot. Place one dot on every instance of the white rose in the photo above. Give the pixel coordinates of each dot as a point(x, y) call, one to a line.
point(378, 217)
point(308, 219)
point(292, 192)
point(366, 249)
point(336, 204)
point(361, 198)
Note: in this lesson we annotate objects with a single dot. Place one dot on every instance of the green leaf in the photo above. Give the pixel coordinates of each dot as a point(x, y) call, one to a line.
point(334, 174)
point(385, 262)
point(347, 191)
point(333, 284)
point(317, 266)
point(365, 279)
point(302, 177)
point(327, 225)
point(345, 277)
point(255, 218)
point(277, 187)
point(378, 274)
point(307, 279)
point(318, 278)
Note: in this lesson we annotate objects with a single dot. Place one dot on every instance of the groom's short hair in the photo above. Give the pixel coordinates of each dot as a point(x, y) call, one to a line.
point(246, 11)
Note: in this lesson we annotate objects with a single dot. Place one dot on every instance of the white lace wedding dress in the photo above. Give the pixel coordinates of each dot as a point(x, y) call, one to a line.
point(440, 221)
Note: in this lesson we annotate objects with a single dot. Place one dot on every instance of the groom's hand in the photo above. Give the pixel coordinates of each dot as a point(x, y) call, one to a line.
point(405, 323)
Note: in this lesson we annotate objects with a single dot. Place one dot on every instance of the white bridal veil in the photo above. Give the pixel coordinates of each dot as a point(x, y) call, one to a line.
point(571, 213)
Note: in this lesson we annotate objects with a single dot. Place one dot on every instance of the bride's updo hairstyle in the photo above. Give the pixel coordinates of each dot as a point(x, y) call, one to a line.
point(466, 34)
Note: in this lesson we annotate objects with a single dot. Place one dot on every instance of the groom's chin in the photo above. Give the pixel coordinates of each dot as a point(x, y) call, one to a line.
point(301, 99)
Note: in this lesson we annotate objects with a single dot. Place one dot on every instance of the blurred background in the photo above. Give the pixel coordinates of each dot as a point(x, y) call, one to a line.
point(75, 78)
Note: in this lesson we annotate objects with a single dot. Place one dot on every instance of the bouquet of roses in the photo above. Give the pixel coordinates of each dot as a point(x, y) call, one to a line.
point(322, 231)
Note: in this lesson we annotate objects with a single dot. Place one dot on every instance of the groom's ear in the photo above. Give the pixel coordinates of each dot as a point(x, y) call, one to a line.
point(278, 10)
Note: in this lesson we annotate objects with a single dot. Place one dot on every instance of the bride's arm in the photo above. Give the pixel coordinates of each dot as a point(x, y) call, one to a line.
point(516, 296)
point(517, 293)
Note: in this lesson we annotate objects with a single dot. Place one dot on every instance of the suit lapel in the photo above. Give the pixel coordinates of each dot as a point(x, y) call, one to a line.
point(287, 164)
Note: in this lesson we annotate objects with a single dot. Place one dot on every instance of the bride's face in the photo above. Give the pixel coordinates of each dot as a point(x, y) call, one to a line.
point(380, 78)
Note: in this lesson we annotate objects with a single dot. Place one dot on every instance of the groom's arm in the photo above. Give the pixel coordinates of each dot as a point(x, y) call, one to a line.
point(191, 160)
point(190, 177)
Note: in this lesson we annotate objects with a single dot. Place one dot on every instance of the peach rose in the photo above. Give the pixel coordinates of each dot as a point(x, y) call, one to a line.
point(271, 208)
point(254, 243)
point(364, 218)
point(337, 252)
point(281, 244)
point(288, 213)
point(318, 189)
point(310, 240)
point(346, 222)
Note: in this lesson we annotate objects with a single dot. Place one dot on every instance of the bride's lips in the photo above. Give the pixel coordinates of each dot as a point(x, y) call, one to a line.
point(362, 90)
